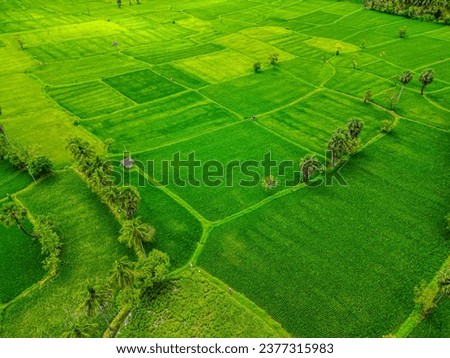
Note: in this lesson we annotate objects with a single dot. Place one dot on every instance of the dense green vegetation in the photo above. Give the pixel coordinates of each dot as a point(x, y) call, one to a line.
point(230, 81)
point(193, 306)
point(89, 235)
point(434, 10)
point(20, 263)
point(348, 243)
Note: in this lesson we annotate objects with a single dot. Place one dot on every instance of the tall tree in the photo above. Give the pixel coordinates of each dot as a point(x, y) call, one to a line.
point(134, 233)
point(79, 148)
point(355, 126)
point(309, 166)
point(152, 270)
point(404, 79)
point(81, 328)
point(444, 283)
point(128, 199)
point(426, 78)
point(11, 214)
point(338, 145)
point(122, 274)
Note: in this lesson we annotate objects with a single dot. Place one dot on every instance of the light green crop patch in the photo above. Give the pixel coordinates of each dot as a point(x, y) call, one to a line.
point(89, 99)
point(264, 32)
point(255, 49)
point(72, 31)
point(218, 66)
point(194, 24)
point(331, 45)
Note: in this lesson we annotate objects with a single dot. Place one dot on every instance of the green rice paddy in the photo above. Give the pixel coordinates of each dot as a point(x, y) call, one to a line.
point(177, 76)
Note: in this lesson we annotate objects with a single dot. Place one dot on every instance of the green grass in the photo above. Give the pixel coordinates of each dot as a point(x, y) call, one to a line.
point(336, 261)
point(436, 325)
point(20, 263)
point(177, 230)
point(89, 99)
point(357, 83)
point(160, 123)
point(216, 201)
point(89, 237)
point(143, 86)
point(179, 76)
point(259, 92)
point(85, 69)
point(357, 244)
point(11, 179)
point(193, 298)
point(400, 51)
point(175, 50)
point(311, 121)
point(218, 66)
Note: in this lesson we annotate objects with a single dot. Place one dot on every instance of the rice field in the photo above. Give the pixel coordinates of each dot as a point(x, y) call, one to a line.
point(178, 77)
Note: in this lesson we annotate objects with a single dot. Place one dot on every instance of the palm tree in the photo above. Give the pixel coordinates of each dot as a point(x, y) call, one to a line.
point(338, 145)
point(80, 329)
point(444, 283)
point(269, 183)
point(404, 78)
point(134, 233)
point(79, 149)
point(310, 165)
point(128, 200)
point(11, 214)
point(426, 78)
point(95, 299)
point(122, 274)
point(355, 126)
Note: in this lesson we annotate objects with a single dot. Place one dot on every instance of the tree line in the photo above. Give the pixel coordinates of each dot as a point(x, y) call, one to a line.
point(427, 10)
point(24, 158)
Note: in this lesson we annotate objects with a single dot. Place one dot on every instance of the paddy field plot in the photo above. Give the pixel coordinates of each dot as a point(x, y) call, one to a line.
point(89, 237)
point(230, 191)
point(174, 77)
point(12, 179)
point(20, 263)
point(193, 298)
point(349, 243)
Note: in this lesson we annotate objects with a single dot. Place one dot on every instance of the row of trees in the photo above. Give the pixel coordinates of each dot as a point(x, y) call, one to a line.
point(44, 231)
point(428, 297)
point(123, 200)
point(119, 3)
point(343, 142)
point(24, 158)
point(426, 78)
point(127, 284)
point(428, 10)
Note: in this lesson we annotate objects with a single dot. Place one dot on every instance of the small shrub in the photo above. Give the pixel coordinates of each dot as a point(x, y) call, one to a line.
point(386, 126)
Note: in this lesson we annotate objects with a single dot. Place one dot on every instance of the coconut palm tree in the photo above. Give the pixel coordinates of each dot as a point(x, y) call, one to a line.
point(426, 78)
point(80, 329)
point(309, 166)
point(95, 299)
point(79, 149)
point(134, 233)
point(444, 283)
point(354, 126)
point(13, 214)
point(404, 78)
point(128, 199)
point(338, 145)
point(122, 274)
point(269, 183)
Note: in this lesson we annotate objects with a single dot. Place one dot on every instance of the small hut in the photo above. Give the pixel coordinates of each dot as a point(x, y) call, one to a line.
point(127, 163)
